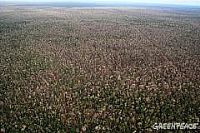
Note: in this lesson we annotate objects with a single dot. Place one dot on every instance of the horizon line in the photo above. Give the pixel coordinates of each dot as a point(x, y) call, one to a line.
point(102, 3)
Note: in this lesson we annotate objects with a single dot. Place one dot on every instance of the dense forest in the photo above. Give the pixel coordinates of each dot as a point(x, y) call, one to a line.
point(98, 70)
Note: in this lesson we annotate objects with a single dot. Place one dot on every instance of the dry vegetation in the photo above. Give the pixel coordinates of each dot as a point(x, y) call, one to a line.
point(98, 70)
